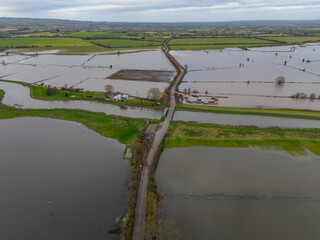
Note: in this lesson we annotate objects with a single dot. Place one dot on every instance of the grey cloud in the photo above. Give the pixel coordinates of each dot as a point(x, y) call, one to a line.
point(162, 10)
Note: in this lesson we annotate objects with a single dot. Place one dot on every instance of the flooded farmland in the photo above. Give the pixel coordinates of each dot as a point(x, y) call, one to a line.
point(252, 74)
point(19, 96)
point(223, 193)
point(78, 71)
point(245, 120)
point(59, 180)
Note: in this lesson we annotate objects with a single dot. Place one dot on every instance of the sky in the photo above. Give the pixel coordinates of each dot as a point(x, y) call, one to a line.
point(162, 10)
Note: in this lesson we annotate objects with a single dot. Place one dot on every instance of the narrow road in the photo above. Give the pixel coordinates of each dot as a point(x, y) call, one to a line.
point(140, 215)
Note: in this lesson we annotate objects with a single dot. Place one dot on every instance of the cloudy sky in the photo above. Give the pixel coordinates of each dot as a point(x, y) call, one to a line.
point(162, 10)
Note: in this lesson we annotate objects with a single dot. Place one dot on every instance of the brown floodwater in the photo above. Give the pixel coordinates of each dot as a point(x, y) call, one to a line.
point(253, 89)
point(59, 180)
point(225, 193)
point(77, 71)
point(251, 73)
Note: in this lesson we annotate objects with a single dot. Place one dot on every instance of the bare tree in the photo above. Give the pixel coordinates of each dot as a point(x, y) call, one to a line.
point(164, 97)
point(185, 91)
point(154, 94)
point(313, 96)
point(280, 80)
point(189, 91)
point(109, 89)
point(186, 67)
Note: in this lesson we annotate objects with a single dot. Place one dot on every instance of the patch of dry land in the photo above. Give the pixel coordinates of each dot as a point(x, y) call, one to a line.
point(143, 75)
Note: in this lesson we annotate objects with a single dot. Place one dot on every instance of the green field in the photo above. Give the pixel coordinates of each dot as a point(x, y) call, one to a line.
point(83, 34)
point(68, 45)
point(94, 35)
point(246, 111)
point(294, 40)
point(293, 141)
point(43, 42)
point(122, 43)
point(40, 93)
point(205, 43)
point(220, 41)
point(39, 34)
point(216, 46)
point(123, 129)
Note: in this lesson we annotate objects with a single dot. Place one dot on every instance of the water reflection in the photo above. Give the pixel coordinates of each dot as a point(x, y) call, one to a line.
point(221, 193)
point(59, 180)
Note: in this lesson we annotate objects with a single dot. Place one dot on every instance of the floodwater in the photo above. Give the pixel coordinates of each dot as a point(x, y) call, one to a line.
point(76, 71)
point(222, 193)
point(253, 89)
point(53, 165)
point(19, 96)
point(253, 73)
point(245, 120)
point(150, 60)
point(269, 102)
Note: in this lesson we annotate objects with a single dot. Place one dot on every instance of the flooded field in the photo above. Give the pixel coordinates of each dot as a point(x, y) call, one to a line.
point(59, 180)
point(253, 73)
point(58, 70)
point(269, 102)
point(222, 193)
point(245, 120)
point(19, 96)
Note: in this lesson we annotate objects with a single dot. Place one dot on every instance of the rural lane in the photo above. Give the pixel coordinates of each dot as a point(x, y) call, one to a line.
point(140, 212)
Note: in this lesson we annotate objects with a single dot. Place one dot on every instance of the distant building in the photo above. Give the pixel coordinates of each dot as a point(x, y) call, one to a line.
point(120, 97)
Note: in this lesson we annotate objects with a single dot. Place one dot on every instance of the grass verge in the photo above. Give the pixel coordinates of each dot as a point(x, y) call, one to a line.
point(125, 130)
point(274, 113)
point(1, 95)
point(293, 141)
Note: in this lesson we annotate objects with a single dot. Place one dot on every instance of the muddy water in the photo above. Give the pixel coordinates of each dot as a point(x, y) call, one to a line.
point(269, 102)
point(19, 96)
point(57, 60)
point(12, 58)
point(61, 166)
point(58, 70)
point(151, 60)
point(245, 120)
point(220, 73)
point(254, 89)
point(253, 74)
point(221, 193)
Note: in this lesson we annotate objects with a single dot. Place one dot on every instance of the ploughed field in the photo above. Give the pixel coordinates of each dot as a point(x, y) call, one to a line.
point(143, 75)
